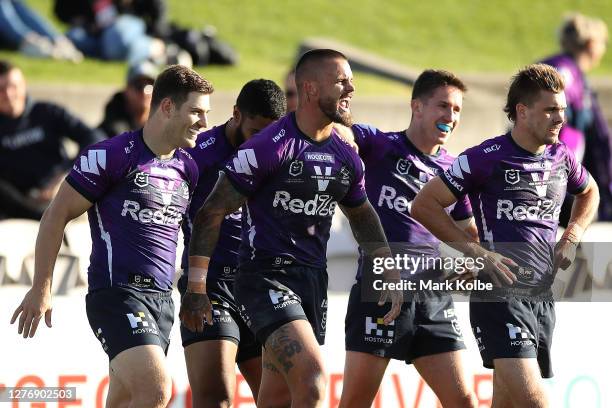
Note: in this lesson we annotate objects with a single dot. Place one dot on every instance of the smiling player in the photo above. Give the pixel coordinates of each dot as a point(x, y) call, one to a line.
point(425, 333)
point(136, 189)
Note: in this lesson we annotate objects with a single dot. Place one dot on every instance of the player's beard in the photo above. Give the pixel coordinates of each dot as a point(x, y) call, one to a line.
point(239, 135)
point(330, 108)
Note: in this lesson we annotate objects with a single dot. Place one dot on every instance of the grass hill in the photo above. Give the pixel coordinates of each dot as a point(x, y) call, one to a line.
point(464, 36)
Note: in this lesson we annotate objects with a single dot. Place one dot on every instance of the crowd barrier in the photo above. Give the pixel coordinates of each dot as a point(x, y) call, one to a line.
point(69, 355)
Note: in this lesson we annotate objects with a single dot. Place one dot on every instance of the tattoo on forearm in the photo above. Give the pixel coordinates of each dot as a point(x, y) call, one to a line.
point(284, 348)
point(223, 200)
point(366, 227)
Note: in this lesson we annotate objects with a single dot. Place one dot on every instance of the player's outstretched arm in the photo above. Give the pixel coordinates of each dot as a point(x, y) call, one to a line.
point(583, 210)
point(223, 199)
point(370, 236)
point(428, 209)
point(67, 205)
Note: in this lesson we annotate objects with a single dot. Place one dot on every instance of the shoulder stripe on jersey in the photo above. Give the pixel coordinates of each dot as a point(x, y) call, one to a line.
point(243, 162)
point(94, 159)
point(459, 166)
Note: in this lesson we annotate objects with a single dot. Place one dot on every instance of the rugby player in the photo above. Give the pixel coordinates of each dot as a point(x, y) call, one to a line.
point(516, 183)
point(426, 333)
point(136, 189)
point(212, 354)
point(291, 176)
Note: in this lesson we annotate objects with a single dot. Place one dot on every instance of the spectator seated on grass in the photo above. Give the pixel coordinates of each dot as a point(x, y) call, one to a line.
point(99, 29)
point(21, 28)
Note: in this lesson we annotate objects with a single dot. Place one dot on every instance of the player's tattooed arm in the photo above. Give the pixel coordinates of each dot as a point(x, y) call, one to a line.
point(370, 236)
point(367, 230)
point(195, 304)
point(223, 200)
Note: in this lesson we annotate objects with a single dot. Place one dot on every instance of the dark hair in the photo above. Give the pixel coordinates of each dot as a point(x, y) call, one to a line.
point(314, 58)
point(6, 67)
point(432, 79)
point(527, 84)
point(262, 97)
point(176, 82)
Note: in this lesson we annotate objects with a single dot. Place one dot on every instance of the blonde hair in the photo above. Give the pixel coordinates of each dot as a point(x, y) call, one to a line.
point(577, 30)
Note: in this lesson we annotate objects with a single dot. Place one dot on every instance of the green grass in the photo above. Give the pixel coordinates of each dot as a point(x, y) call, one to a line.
point(464, 36)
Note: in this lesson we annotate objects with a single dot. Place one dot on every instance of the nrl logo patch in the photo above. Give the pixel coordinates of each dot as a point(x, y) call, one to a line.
point(296, 167)
point(141, 179)
point(512, 176)
point(402, 166)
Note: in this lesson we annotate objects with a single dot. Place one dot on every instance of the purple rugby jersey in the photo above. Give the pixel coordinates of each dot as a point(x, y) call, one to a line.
point(139, 204)
point(211, 153)
point(516, 197)
point(579, 111)
point(395, 172)
point(293, 186)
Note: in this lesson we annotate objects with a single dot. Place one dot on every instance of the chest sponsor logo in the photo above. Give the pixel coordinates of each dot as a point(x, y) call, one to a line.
point(389, 198)
point(403, 166)
point(169, 215)
point(166, 182)
point(546, 210)
point(320, 157)
point(323, 176)
point(540, 182)
point(94, 161)
point(321, 205)
point(295, 168)
point(512, 176)
point(543, 165)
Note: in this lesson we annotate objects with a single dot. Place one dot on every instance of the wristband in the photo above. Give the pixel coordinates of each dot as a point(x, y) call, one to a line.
point(198, 269)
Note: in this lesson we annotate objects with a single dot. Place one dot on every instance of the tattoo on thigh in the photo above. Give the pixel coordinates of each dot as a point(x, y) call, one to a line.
point(284, 347)
point(270, 367)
